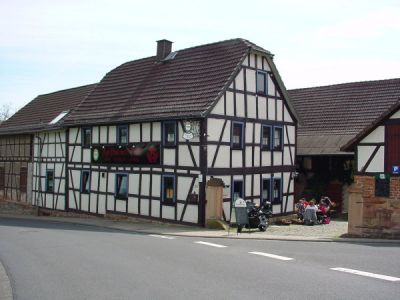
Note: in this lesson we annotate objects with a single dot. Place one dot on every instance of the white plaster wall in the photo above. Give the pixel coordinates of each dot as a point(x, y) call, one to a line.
point(72, 135)
point(237, 161)
point(112, 134)
point(286, 115)
point(168, 212)
point(229, 104)
point(262, 107)
point(277, 158)
point(279, 110)
point(146, 132)
point(251, 107)
point(257, 156)
point(169, 156)
point(133, 205)
point(363, 154)
point(271, 109)
point(183, 184)
point(396, 115)
point(378, 163)
point(222, 160)
point(240, 111)
point(249, 156)
point(219, 107)
point(155, 208)
point(249, 132)
point(251, 80)
point(376, 136)
point(256, 186)
point(191, 214)
point(102, 204)
point(239, 84)
point(214, 128)
point(156, 131)
point(145, 184)
point(134, 133)
point(271, 86)
point(156, 185)
point(266, 158)
point(103, 135)
point(144, 207)
point(247, 185)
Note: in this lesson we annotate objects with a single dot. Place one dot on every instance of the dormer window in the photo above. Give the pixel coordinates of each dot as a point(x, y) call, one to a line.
point(261, 83)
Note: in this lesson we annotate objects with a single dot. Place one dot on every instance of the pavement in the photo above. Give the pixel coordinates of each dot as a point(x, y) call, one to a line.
point(332, 232)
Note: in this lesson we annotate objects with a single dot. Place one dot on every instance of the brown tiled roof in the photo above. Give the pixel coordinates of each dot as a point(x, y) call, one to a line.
point(37, 114)
point(337, 113)
point(184, 87)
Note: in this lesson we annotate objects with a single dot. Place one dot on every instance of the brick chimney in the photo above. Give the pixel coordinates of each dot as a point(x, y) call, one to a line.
point(163, 49)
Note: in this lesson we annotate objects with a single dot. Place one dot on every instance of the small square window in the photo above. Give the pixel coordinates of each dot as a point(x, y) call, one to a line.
point(49, 181)
point(122, 135)
point(169, 137)
point(237, 135)
point(266, 137)
point(86, 136)
point(277, 191)
point(121, 186)
point(278, 138)
point(168, 192)
point(261, 83)
point(266, 190)
point(85, 182)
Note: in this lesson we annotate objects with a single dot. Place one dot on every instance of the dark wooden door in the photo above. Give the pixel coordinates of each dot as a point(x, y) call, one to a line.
point(392, 151)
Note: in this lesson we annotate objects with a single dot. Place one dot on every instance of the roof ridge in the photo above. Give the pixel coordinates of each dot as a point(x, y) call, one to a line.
point(345, 83)
point(64, 90)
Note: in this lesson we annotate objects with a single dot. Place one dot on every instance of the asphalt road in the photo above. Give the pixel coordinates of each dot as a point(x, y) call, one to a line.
point(48, 260)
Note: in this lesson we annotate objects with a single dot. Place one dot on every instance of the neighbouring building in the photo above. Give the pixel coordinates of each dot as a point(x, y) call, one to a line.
point(331, 116)
point(23, 168)
point(149, 136)
point(375, 195)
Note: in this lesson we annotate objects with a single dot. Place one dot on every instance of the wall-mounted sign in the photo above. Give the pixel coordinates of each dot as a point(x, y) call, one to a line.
point(396, 170)
point(191, 128)
point(143, 154)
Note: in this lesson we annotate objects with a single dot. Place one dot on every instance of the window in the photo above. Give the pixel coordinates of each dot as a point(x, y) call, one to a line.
point(237, 191)
point(266, 190)
point(169, 134)
point(85, 182)
point(50, 181)
point(59, 117)
point(278, 138)
point(277, 191)
point(121, 186)
point(237, 135)
point(122, 134)
point(261, 83)
point(266, 137)
point(86, 136)
point(168, 189)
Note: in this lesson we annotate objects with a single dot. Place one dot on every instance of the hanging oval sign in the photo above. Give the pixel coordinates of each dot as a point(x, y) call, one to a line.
point(188, 135)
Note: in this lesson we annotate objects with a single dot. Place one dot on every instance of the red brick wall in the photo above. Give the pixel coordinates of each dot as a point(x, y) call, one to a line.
point(374, 216)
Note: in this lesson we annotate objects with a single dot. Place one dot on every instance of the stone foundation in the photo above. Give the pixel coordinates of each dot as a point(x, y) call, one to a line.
point(372, 216)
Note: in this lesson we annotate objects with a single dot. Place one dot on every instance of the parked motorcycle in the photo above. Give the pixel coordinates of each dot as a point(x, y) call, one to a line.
point(258, 215)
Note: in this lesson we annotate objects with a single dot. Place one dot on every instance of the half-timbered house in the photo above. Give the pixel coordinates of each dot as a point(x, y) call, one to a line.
point(153, 132)
point(332, 116)
point(32, 145)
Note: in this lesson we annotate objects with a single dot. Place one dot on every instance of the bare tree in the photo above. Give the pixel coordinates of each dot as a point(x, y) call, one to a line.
point(6, 111)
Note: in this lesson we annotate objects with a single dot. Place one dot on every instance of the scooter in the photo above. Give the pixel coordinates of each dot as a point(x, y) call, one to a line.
point(258, 216)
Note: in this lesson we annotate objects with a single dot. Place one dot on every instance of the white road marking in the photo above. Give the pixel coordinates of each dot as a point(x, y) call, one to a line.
point(368, 274)
point(211, 244)
point(271, 255)
point(162, 236)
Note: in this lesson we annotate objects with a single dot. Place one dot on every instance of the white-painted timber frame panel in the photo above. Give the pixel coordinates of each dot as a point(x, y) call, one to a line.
point(240, 103)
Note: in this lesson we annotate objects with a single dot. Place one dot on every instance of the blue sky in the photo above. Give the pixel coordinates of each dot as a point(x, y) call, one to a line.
point(51, 45)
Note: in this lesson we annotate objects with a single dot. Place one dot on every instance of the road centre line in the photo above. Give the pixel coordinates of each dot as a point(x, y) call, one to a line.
point(367, 274)
point(162, 236)
point(271, 255)
point(211, 244)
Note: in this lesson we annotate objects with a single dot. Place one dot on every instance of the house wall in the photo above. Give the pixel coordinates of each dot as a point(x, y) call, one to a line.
point(15, 167)
point(371, 152)
point(145, 181)
point(49, 154)
point(372, 215)
point(241, 103)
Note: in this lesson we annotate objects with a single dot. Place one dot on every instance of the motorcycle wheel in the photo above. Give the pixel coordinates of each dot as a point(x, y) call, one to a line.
point(262, 227)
